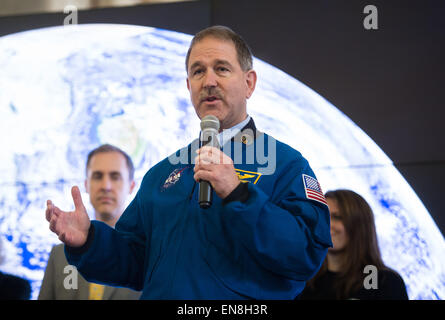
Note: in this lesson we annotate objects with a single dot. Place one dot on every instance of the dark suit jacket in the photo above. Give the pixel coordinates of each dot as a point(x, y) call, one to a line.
point(14, 288)
point(55, 281)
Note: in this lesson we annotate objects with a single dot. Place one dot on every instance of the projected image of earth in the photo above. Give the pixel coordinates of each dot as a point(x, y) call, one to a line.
point(66, 90)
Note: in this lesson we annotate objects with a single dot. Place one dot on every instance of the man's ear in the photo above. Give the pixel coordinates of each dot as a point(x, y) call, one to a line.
point(132, 185)
point(188, 83)
point(251, 78)
point(87, 187)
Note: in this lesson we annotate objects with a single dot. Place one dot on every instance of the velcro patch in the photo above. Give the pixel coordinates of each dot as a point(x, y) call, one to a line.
point(248, 176)
point(313, 189)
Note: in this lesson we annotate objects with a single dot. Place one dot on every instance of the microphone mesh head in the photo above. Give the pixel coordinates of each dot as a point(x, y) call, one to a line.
point(210, 122)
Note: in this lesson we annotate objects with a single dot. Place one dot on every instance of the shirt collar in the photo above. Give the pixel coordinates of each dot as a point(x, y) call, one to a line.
point(229, 133)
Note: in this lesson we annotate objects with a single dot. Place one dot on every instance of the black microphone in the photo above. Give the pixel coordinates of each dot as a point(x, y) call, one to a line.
point(209, 137)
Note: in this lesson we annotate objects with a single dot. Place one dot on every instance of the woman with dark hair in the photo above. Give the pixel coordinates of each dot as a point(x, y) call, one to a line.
point(344, 273)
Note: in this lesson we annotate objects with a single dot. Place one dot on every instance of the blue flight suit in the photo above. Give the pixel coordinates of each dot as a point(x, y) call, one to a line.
point(264, 241)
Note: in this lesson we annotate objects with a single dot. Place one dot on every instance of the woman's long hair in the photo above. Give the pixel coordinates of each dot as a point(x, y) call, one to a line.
point(362, 247)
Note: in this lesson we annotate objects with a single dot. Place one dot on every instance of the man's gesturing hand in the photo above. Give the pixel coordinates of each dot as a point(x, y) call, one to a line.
point(72, 226)
point(214, 166)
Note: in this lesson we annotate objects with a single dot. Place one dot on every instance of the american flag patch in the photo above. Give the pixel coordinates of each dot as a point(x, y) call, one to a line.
point(313, 189)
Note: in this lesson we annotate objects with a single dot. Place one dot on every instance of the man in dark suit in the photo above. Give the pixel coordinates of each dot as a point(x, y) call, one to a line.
point(110, 179)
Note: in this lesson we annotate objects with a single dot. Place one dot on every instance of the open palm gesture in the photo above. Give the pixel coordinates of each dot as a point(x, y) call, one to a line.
point(70, 226)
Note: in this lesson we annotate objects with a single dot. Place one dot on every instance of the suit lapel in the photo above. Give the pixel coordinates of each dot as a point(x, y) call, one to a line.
point(108, 292)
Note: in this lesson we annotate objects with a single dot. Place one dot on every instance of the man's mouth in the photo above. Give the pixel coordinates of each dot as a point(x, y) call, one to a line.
point(211, 98)
point(105, 199)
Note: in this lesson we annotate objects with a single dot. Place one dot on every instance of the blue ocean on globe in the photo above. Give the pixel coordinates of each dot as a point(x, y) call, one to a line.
point(65, 90)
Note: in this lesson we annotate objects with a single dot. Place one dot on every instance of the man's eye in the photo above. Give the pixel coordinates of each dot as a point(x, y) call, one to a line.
point(222, 69)
point(196, 72)
point(115, 177)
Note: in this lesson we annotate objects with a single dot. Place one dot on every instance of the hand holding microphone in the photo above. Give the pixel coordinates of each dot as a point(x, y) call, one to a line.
point(213, 169)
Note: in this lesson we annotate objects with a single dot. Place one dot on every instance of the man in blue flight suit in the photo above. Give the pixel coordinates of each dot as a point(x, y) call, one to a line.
point(267, 231)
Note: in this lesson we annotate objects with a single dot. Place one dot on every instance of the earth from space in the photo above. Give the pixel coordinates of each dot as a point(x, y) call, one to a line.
point(65, 90)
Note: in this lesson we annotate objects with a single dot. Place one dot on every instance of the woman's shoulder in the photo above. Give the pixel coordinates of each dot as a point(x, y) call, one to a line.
point(392, 283)
point(387, 274)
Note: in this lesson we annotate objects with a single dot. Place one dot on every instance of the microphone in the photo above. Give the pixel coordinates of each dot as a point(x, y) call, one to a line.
point(209, 137)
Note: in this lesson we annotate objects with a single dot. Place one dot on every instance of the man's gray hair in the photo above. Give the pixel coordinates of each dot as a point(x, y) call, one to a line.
point(224, 33)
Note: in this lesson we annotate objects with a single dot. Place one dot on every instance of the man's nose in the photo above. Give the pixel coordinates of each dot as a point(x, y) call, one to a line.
point(210, 79)
point(106, 183)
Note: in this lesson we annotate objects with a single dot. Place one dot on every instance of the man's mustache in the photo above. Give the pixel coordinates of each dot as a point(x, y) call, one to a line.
point(211, 92)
